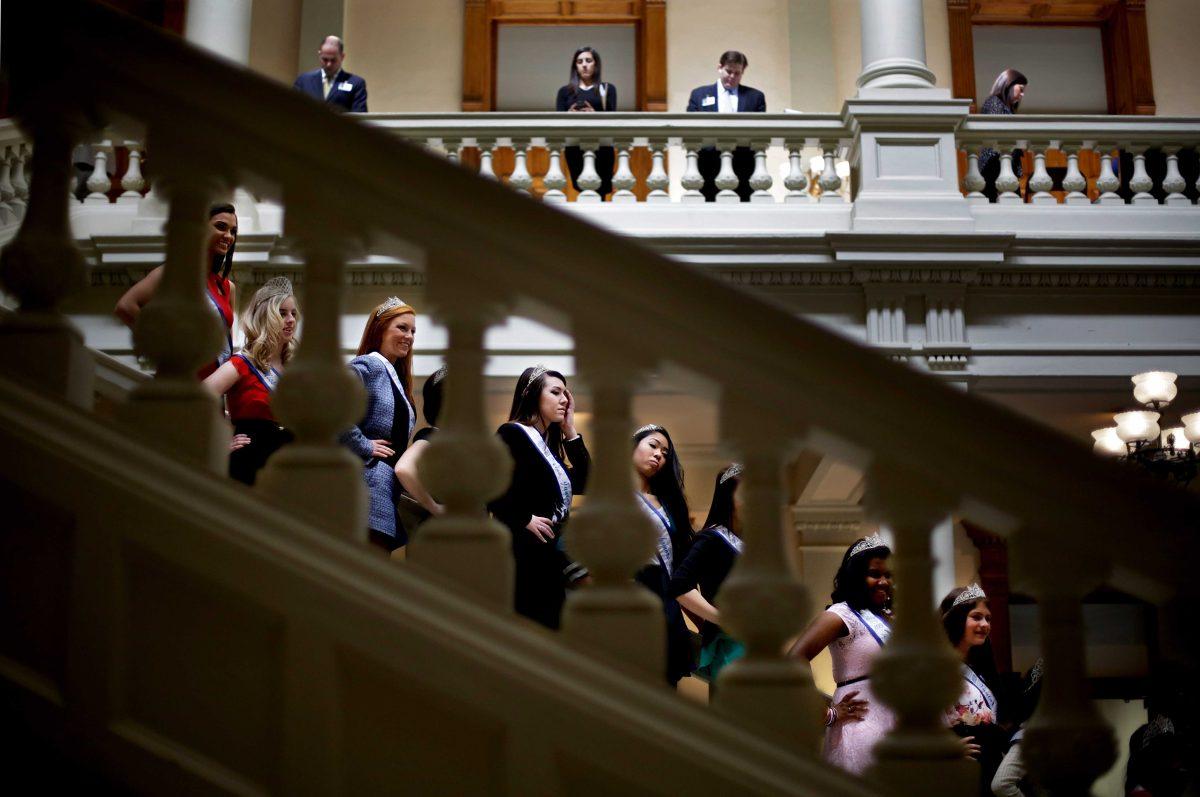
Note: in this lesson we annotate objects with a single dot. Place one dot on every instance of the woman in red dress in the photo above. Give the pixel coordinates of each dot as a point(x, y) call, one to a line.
point(218, 289)
point(249, 378)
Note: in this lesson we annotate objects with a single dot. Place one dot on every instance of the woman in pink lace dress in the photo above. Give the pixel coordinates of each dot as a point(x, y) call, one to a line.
point(854, 628)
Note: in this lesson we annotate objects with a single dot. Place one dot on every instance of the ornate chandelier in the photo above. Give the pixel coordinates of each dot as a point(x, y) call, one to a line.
point(1137, 437)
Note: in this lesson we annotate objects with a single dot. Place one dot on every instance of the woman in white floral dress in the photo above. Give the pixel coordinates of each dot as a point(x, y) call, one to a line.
point(974, 716)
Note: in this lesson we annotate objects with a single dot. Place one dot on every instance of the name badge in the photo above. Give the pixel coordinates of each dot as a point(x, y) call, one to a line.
point(708, 101)
point(345, 86)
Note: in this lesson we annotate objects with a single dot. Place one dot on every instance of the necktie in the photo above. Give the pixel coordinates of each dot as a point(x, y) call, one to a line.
point(326, 84)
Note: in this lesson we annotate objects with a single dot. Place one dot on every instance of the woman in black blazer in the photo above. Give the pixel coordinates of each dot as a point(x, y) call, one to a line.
point(539, 432)
point(586, 93)
point(1005, 98)
point(661, 496)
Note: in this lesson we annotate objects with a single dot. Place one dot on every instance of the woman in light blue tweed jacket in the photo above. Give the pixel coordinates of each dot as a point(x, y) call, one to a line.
point(384, 363)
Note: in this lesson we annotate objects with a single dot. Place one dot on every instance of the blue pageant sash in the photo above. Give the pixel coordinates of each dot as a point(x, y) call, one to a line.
point(876, 625)
point(974, 680)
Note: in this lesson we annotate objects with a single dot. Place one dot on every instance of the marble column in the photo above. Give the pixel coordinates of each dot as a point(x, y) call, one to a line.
point(220, 26)
point(893, 46)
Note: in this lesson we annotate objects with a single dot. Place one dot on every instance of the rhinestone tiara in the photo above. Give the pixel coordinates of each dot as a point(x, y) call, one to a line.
point(870, 543)
point(391, 304)
point(972, 593)
point(732, 472)
point(650, 427)
point(537, 371)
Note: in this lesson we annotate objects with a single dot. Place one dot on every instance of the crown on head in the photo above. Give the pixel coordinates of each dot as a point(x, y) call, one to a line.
point(870, 543)
point(734, 471)
point(537, 371)
point(971, 594)
point(391, 304)
point(650, 427)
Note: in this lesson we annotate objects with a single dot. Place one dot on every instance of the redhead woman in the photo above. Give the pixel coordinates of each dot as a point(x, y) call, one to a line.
point(218, 289)
point(249, 378)
point(550, 467)
point(384, 363)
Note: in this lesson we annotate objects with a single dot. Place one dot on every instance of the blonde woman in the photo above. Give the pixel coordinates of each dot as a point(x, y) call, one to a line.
point(248, 379)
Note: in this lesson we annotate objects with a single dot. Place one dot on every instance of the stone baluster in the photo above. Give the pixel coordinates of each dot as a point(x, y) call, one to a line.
point(465, 465)
point(1108, 182)
point(589, 179)
point(318, 397)
point(99, 184)
point(761, 180)
point(609, 534)
point(178, 330)
point(485, 159)
point(762, 603)
point(454, 152)
point(624, 181)
point(1174, 183)
point(41, 267)
point(1075, 183)
point(132, 181)
point(520, 179)
point(658, 182)
point(1041, 182)
point(691, 181)
point(726, 180)
point(555, 181)
point(1067, 745)
point(917, 673)
point(7, 214)
point(19, 183)
point(796, 182)
point(1141, 182)
point(1007, 181)
point(829, 180)
point(973, 181)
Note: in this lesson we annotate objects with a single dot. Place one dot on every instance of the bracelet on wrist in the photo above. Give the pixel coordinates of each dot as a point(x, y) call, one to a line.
point(830, 716)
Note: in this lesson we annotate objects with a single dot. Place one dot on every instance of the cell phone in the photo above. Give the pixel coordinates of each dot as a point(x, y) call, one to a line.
point(580, 104)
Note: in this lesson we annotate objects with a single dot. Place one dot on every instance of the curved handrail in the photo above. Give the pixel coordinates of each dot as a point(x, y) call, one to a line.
point(782, 366)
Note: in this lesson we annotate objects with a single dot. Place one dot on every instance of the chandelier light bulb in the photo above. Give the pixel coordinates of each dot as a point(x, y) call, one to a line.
point(1137, 425)
point(1107, 443)
point(1174, 438)
point(1191, 426)
point(1154, 387)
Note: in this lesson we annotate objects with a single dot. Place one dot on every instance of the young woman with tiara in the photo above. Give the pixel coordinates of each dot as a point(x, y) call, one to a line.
point(550, 466)
point(406, 467)
point(855, 628)
point(975, 715)
point(384, 363)
point(696, 580)
point(661, 497)
point(249, 378)
point(218, 288)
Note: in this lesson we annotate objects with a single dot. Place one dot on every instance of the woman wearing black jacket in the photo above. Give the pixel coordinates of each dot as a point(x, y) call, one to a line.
point(539, 432)
point(586, 93)
point(1007, 92)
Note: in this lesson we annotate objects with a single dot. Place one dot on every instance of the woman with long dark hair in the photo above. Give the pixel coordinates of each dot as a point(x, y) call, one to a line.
point(249, 378)
point(218, 288)
point(585, 92)
point(661, 496)
point(855, 627)
point(406, 467)
point(697, 580)
point(550, 467)
point(384, 363)
point(975, 715)
point(1005, 98)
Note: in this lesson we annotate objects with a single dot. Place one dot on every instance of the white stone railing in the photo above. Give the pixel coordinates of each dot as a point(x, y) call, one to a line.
point(799, 140)
point(14, 184)
point(928, 451)
point(1073, 136)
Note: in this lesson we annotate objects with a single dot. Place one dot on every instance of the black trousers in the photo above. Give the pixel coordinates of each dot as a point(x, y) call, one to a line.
point(266, 437)
point(709, 161)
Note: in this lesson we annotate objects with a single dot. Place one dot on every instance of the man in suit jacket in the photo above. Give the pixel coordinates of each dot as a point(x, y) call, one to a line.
point(337, 87)
point(727, 95)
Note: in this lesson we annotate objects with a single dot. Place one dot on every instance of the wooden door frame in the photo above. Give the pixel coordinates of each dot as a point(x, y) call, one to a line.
point(1123, 32)
point(483, 18)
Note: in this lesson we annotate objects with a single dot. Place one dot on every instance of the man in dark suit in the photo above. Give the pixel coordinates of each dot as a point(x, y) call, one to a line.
point(331, 83)
point(727, 95)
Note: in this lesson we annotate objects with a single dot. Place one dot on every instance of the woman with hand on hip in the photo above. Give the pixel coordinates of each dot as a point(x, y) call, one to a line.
point(855, 628)
point(661, 496)
point(550, 467)
point(384, 363)
point(585, 92)
point(218, 288)
point(249, 378)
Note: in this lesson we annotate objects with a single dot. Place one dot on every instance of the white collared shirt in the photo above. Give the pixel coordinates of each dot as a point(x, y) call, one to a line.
point(727, 100)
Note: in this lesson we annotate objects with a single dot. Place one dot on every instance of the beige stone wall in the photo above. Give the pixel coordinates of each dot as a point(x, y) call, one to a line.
point(1174, 58)
point(275, 39)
